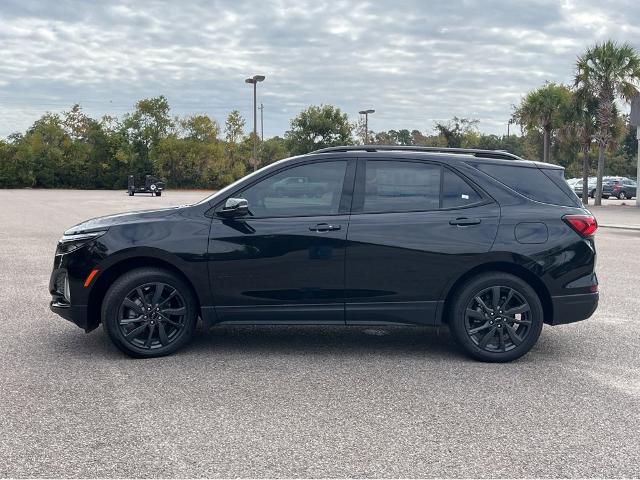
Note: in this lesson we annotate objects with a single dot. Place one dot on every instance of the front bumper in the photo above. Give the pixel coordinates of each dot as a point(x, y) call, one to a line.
point(74, 313)
point(573, 308)
point(60, 298)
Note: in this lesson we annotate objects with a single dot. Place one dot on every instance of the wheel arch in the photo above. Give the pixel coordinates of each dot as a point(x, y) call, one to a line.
point(119, 268)
point(514, 269)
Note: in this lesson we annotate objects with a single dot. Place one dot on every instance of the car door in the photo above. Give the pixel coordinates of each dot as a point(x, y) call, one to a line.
point(284, 262)
point(414, 227)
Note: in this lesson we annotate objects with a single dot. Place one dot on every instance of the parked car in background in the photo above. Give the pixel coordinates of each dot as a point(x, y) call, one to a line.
point(624, 189)
point(577, 187)
point(298, 186)
point(152, 185)
point(485, 242)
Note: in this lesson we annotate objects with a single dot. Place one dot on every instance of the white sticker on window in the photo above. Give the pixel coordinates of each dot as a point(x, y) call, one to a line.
point(466, 197)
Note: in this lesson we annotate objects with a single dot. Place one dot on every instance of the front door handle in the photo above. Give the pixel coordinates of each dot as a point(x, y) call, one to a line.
point(324, 227)
point(464, 221)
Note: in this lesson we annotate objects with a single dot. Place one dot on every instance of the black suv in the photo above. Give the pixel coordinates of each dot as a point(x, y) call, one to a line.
point(488, 243)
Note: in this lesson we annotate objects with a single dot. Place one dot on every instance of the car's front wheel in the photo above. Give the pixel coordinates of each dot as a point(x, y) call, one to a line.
point(149, 312)
point(622, 196)
point(496, 317)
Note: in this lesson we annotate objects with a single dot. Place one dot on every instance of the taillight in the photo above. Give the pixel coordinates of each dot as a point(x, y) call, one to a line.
point(585, 225)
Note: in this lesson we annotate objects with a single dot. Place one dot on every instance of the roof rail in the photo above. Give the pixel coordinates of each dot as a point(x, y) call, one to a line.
point(500, 154)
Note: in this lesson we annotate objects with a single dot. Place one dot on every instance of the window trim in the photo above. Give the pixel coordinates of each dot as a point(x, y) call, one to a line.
point(359, 193)
point(346, 192)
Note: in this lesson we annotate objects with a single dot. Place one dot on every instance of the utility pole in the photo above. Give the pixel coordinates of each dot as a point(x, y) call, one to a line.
point(366, 123)
point(254, 80)
point(261, 123)
point(634, 119)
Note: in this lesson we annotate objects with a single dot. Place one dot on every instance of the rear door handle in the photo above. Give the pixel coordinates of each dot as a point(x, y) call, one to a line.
point(324, 227)
point(464, 221)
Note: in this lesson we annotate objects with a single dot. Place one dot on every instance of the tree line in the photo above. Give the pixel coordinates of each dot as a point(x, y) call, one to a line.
point(571, 126)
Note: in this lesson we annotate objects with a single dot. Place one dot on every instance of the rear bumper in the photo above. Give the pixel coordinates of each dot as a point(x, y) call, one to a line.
point(573, 308)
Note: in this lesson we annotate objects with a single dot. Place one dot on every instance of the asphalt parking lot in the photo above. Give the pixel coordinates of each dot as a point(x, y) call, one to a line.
point(305, 402)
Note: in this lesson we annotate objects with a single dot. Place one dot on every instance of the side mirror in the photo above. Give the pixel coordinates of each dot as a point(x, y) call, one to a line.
point(235, 207)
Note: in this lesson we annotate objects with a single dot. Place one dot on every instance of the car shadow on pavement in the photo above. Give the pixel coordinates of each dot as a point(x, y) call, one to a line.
point(326, 340)
point(281, 340)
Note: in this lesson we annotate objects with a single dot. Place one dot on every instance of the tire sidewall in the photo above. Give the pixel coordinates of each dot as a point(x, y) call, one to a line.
point(469, 290)
point(127, 282)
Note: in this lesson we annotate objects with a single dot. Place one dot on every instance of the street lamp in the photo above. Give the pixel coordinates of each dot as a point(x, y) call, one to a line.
point(366, 123)
point(254, 80)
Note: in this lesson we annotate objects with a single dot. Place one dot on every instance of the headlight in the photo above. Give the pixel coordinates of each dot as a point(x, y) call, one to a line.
point(69, 243)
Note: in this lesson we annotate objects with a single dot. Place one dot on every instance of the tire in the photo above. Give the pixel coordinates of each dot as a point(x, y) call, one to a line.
point(472, 330)
point(622, 196)
point(124, 314)
point(131, 194)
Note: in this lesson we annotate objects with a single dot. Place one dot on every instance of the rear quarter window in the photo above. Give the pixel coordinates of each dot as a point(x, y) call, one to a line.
point(541, 185)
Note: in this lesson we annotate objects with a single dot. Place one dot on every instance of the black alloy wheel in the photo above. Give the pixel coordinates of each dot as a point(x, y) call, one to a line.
point(149, 312)
point(496, 317)
point(152, 315)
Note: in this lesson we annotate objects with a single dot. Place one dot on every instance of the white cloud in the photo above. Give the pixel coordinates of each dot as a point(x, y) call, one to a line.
point(413, 62)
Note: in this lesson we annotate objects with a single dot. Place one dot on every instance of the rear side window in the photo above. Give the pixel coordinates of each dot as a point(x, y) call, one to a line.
point(456, 192)
point(401, 186)
point(546, 186)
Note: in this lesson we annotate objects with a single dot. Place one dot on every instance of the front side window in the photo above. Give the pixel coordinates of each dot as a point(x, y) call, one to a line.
point(305, 190)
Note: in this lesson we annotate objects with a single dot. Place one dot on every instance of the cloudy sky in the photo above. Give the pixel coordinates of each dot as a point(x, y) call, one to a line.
point(415, 62)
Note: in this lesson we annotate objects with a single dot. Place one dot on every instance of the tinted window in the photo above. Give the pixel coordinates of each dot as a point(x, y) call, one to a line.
point(311, 189)
point(394, 186)
point(546, 186)
point(456, 192)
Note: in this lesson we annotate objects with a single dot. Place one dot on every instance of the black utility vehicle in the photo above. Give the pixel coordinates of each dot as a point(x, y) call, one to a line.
point(488, 243)
point(152, 185)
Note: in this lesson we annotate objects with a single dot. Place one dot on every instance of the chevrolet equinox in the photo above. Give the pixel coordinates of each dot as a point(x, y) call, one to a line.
point(490, 244)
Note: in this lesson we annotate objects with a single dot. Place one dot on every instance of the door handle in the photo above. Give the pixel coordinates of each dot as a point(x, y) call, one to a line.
point(464, 221)
point(324, 227)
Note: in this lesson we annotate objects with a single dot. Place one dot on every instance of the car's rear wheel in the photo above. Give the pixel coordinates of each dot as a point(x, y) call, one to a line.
point(149, 312)
point(496, 317)
point(622, 196)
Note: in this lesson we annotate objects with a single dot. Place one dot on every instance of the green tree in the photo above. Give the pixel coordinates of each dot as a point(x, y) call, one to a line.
point(142, 130)
point(272, 150)
point(15, 170)
point(544, 109)
point(608, 71)
point(234, 133)
point(318, 127)
point(581, 125)
point(455, 130)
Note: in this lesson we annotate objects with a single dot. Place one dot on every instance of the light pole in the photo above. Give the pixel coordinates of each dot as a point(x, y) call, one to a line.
point(261, 123)
point(508, 127)
point(366, 123)
point(254, 80)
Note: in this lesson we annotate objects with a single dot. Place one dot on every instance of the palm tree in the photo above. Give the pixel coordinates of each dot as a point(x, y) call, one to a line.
point(544, 108)
point(608, 71)
point(581, 124)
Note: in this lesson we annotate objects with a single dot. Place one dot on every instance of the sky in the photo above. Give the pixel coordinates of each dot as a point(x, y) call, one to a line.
point(415, 62)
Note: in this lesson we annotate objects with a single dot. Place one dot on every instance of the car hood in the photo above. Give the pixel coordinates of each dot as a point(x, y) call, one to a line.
point(103, 223)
